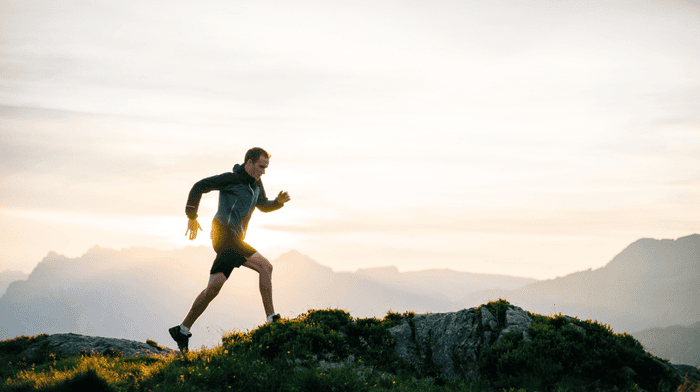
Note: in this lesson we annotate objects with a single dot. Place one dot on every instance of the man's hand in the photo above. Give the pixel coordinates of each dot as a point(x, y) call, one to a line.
point(283, 197)
point(192, 227)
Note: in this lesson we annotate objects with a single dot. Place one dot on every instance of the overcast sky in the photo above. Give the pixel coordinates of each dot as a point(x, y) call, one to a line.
point(531, 138)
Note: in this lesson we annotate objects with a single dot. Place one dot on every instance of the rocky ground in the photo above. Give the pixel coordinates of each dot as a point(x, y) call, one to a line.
point(73, 344)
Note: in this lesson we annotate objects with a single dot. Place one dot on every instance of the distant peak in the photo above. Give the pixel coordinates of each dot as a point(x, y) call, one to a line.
point(692, 237)
point(658, 257)
point(54, 255)
point(294, 256)
point(95, 249)
point(292, 252)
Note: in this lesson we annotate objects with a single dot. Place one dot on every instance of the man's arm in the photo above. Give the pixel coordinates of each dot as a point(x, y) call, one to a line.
point(265, 205)
point(204, 186)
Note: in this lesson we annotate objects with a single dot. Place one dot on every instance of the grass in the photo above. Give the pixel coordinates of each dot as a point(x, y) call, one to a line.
point(568, 351)
point(328, 350)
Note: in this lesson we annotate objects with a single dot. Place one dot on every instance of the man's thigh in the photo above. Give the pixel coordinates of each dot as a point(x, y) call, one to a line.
point(257, 262)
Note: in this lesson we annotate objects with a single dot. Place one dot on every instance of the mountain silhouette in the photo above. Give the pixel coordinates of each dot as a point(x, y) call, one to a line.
point(452, 284)
point(9, 276)
point(138, 293)
point(650, 284)
point(678, 344)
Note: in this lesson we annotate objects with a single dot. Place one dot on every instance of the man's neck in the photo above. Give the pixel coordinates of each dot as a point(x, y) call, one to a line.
point(248, 176)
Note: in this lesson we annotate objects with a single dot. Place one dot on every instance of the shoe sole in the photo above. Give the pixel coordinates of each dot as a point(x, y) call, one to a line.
point(183, 349)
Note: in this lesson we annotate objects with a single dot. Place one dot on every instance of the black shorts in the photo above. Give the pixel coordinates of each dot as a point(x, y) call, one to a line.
point(231, 250)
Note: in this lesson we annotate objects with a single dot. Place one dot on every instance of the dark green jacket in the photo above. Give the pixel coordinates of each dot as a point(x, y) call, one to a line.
point(239, 194)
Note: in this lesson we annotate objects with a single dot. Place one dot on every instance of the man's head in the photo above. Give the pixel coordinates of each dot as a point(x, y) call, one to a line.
point(256, 161)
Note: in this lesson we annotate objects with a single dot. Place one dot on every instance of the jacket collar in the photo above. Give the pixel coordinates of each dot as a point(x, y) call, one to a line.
point(240, 169)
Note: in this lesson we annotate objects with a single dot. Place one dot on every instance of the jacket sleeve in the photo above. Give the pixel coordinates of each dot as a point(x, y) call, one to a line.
point(266, 205)
point(204, 186)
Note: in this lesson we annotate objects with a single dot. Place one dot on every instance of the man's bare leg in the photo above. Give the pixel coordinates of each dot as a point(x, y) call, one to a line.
point(216, 281)
point(260, 264)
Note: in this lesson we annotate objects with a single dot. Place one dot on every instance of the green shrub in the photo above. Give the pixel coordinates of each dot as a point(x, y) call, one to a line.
point(16, 345)
point(298, 339)
point(328, 319)
point(326, 334)
point(561, 353)
point(393, 319)
point(10, 350)
point(86, 381)
point(154, 344)
point(498, 309)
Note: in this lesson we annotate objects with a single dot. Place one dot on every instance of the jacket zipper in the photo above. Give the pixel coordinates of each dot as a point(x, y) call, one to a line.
point(231, 212)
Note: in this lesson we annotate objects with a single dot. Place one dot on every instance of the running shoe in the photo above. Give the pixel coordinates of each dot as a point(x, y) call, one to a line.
point(181, 339)
point(273, 318)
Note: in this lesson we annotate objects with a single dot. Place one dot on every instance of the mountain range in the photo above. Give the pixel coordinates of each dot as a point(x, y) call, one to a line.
point(678, 344)
point(138, 293)
point(9, 276)
point(650, 284)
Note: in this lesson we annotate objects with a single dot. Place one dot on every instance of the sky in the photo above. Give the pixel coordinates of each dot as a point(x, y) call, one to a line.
point(530, 138)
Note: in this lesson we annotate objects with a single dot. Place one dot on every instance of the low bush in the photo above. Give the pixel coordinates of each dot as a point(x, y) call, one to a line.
point(566, 351)
point(331, 335)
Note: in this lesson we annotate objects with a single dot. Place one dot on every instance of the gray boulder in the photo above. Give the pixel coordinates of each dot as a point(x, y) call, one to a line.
point(74, 344)
point(517, 320)
point(448, 344)
point(452, 341)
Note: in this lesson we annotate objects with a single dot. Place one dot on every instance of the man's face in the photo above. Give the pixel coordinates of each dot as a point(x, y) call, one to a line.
point(257, 169)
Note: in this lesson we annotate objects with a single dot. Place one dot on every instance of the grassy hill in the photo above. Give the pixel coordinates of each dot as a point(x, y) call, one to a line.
point(328, 350)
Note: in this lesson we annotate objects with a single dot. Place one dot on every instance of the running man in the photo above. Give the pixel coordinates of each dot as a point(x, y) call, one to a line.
point(240, 191)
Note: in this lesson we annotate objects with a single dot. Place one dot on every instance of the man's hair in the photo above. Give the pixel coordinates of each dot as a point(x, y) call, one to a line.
point(254, 154)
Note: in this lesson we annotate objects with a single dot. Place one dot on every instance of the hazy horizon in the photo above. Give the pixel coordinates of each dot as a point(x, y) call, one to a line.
point(533, 139)
point(139, 293)
point(359, 269)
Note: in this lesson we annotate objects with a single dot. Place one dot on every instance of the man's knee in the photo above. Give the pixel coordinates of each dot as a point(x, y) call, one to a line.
point(265, 267)
point(261, 264)
point(216, 281)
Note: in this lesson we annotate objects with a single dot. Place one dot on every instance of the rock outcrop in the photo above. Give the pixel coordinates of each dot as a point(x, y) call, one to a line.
point(74, 344)
point(449, 344)
point(453, 340)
